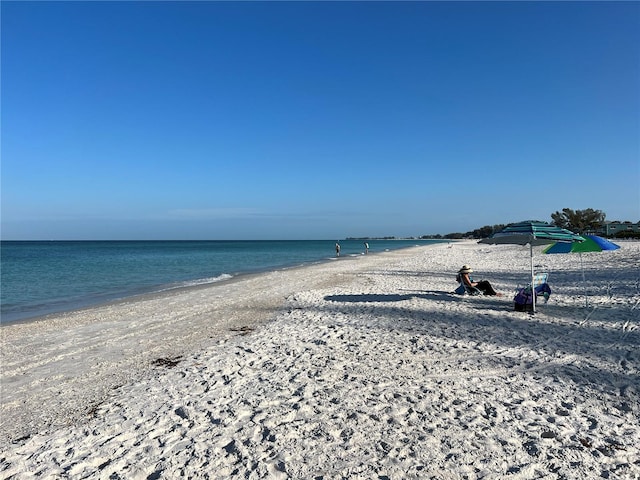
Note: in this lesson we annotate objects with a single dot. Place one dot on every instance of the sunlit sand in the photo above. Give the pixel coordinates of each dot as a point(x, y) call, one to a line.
point(364, 367)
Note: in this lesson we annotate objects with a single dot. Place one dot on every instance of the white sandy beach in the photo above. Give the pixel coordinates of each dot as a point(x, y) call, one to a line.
point(365, 368)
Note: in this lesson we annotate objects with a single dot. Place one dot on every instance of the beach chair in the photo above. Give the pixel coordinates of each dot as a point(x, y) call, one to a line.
point(464, 289)
point(541, 285)
point(523, 299)
point(540, 278)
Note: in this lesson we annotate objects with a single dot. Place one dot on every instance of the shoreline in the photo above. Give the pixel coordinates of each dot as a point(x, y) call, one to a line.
point(159, 294)
point(44, 313)
point(149, 313)
point(345, 369)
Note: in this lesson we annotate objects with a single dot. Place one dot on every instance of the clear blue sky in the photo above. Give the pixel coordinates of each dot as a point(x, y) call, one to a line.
point(314, 120)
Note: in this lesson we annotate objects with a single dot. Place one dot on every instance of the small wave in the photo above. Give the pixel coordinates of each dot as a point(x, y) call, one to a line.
point(204, 281)
point(200, 281)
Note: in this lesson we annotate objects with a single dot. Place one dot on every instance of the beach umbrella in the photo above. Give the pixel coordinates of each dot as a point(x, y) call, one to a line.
point(592, 243)
point(532, 233)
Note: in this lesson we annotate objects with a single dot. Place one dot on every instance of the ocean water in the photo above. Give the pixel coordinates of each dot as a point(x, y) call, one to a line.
point(39, 278)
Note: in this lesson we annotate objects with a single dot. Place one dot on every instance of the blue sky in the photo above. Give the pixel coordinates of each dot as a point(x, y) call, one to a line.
point(314, 120)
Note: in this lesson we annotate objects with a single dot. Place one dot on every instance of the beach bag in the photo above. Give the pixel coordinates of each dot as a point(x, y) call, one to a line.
point(523, 301)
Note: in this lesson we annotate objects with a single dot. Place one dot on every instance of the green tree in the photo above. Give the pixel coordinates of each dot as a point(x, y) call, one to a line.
point(579, 221)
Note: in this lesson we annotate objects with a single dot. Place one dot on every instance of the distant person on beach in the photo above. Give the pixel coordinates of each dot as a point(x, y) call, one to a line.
point(366, 248)
point(337, 249)
point(484, 286)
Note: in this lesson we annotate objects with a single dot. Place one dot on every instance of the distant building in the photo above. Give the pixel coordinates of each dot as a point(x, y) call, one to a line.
point(611, 229)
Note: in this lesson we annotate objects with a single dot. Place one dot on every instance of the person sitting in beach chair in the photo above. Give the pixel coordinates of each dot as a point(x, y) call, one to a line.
point(468, 286)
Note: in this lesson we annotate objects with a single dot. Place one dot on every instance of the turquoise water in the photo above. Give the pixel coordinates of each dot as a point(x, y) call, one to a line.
point(38, 278)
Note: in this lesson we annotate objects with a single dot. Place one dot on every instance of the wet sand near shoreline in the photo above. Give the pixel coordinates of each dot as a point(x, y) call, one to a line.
point(93, 350)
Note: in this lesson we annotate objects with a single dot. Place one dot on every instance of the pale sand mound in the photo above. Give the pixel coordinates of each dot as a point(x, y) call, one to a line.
point(370, 369)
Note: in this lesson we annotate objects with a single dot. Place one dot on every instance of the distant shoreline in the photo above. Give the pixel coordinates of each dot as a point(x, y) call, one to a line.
point(41, 311)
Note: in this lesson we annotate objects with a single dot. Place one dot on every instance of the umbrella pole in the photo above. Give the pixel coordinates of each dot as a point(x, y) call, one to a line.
point(584, 282)
point(533, 290)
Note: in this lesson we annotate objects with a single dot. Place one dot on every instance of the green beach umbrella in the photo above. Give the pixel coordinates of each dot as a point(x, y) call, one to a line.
point(592, 243)
point(532, 233)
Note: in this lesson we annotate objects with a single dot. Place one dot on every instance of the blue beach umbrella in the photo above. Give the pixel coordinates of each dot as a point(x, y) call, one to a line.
point(532, 233)
point(592, 243)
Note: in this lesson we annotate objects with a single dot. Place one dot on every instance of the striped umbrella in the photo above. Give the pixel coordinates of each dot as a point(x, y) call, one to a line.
point(532, 233)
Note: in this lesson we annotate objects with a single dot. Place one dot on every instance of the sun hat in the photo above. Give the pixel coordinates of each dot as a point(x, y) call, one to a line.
point(466, 269)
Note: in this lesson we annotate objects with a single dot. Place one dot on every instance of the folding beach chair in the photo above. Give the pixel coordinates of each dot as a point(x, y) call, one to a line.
point(539, 279)
point(523, 300)
point(541, 285)
point(464, 289)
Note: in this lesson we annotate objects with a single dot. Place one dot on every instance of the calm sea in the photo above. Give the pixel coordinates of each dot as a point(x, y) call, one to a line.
point(38, 278)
